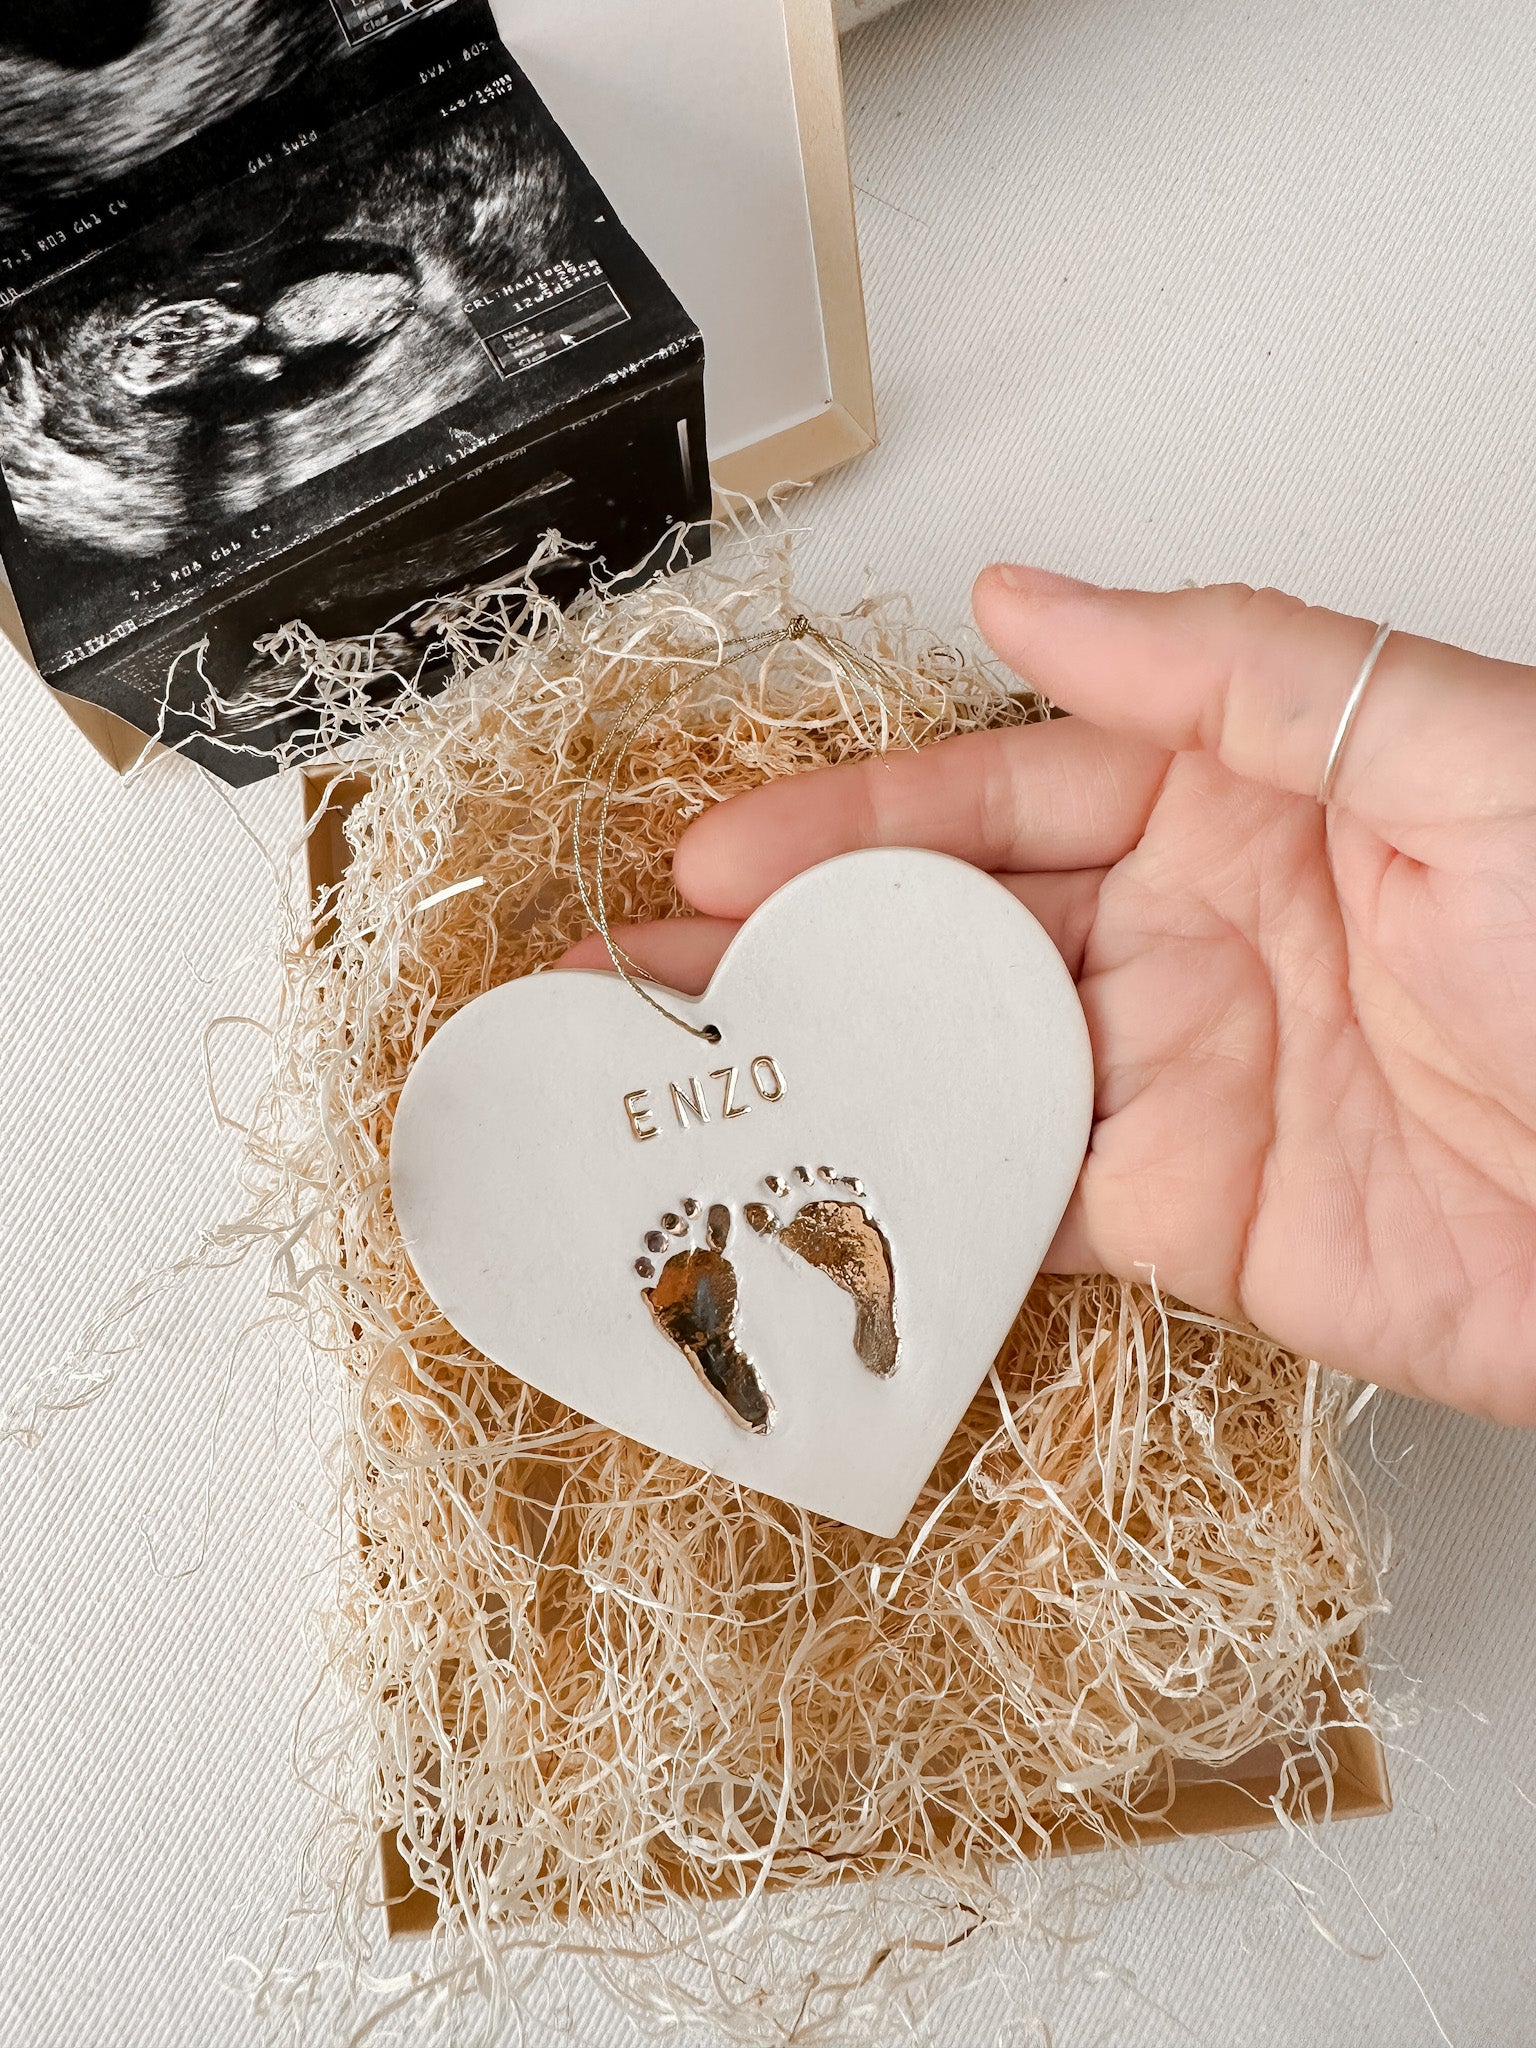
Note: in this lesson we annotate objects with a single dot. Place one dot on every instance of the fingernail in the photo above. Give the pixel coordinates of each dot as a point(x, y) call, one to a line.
point(1030, 582)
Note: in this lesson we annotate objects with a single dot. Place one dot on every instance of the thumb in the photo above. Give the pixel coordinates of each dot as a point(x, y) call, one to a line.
point(1261, 681)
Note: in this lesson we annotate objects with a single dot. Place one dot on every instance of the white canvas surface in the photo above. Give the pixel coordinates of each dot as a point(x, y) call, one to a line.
point(1159, 289)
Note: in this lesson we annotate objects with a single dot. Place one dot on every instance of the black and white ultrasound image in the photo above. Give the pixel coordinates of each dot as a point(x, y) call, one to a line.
point(91, 89)
point(268, 333)
point(307, 309)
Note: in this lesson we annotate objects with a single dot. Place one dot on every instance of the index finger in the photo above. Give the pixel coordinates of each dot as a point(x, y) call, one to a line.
point(1051, 797)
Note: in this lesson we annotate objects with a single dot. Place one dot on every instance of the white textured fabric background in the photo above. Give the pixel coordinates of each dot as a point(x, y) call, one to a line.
point(1159, 289)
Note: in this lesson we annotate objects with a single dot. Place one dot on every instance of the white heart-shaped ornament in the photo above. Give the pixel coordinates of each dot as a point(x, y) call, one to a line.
point(788, 1256)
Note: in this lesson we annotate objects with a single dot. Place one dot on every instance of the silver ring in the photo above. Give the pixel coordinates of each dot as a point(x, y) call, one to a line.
point(1347, 716)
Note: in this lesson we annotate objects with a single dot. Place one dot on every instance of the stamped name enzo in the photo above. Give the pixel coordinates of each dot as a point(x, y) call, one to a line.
point(764, 1078)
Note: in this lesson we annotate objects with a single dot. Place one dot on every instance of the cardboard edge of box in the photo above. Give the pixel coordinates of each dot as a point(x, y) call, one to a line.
point(1266, 1789)
point(846, 428)
point(119, 743)
point(1250, 1799)
point(841, 432)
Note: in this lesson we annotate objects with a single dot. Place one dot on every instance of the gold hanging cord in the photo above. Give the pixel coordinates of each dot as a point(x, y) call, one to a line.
point(861, 670)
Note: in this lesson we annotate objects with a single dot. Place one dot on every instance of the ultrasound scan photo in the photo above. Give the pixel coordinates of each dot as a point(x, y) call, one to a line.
point(307, 309)
point(90, 89)
point(268, 333)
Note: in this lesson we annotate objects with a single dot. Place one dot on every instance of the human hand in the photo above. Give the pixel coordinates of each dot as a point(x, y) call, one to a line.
point(1314, 1032)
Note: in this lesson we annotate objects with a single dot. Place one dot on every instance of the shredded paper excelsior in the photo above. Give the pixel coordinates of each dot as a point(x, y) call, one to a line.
point(603, 1703)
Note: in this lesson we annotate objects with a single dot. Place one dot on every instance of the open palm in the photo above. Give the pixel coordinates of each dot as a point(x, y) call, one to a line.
point(1314, 1031)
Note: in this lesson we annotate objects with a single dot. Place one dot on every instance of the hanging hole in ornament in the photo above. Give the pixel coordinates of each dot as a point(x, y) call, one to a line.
point(712, 1033)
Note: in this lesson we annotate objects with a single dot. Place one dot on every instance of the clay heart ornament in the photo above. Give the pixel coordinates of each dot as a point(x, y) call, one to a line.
point(789, 1256)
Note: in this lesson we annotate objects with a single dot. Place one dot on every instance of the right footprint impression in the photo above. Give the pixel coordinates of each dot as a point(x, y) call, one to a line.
point(837, 1236)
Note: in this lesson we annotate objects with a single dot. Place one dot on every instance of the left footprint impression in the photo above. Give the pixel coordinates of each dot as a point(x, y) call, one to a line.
point(693, 1302)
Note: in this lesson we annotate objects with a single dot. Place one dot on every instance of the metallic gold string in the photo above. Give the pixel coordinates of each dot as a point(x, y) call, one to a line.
point(641, 709)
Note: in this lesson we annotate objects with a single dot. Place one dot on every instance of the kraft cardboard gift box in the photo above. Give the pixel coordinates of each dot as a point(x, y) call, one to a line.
point(321, 355)
point(1277, 1785)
